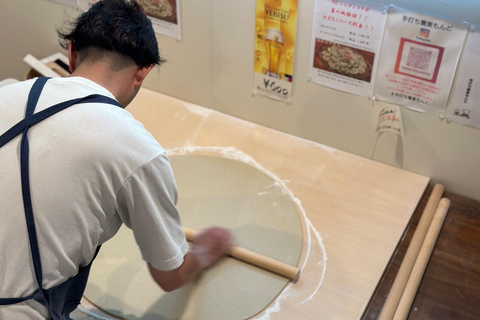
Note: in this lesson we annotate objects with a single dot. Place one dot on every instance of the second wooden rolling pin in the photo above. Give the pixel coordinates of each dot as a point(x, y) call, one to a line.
point(421, 262)
point(256, 259)
point(412, 252)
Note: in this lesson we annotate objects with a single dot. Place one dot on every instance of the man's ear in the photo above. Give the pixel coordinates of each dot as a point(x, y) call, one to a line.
point(72, 56)
point(142, 73)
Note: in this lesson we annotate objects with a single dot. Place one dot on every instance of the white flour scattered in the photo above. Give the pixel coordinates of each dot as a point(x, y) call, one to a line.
point(316, 254)
point(201, 111)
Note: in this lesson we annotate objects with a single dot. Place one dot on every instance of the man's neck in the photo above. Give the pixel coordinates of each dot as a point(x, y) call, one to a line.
point(116, 82)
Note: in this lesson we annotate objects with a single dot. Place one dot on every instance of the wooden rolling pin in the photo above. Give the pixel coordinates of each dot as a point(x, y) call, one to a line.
point(421, 262)
point(256, 259)
point(412, 252)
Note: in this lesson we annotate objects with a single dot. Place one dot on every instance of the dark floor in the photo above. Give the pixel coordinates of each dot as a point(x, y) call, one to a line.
point(450, 288)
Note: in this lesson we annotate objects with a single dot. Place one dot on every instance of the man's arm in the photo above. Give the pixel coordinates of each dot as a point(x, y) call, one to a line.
point(209, 246)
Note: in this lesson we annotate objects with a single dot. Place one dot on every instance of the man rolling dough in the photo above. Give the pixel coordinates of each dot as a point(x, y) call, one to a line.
point(74, 166)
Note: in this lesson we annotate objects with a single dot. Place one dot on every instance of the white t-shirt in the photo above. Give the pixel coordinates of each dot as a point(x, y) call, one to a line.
point(92, 167)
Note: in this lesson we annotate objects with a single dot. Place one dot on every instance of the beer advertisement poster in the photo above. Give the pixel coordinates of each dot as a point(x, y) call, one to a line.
point(275, 33)
point(345, 45)
point(464, 106)
point(418, 60)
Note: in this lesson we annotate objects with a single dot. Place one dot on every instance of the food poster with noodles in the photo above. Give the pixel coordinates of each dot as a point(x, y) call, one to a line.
point(165, 16)
point(418, 60)
point(79, 4)
point(464, 104)
point(276, 28)
point(345, 45)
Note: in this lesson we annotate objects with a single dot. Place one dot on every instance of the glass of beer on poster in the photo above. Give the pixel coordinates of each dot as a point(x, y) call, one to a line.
point(274, 42)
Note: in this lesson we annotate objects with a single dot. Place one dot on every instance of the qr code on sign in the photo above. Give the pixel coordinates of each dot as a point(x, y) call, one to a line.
point(419, 58)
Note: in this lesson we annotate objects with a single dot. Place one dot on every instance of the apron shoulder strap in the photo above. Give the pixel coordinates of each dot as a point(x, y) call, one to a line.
point(33, 119)
point(22, 127)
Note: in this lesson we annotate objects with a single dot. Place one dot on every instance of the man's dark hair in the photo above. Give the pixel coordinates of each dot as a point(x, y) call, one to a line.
point(114, 26)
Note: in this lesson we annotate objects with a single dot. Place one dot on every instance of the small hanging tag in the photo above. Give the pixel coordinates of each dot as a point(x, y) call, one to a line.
point(390, 119)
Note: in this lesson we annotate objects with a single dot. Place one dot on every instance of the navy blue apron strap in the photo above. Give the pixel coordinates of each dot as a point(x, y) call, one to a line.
point(34, 94)
point(57, 295)
point(23, 126)
point(32, 101)
point(39, 296)
point(39, 116)
point(31, 104)
point(8, 301)
point(27, 204)
point(33, 97)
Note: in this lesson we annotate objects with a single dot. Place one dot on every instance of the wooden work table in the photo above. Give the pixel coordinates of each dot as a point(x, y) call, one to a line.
point(354, 211)
point(450, 289)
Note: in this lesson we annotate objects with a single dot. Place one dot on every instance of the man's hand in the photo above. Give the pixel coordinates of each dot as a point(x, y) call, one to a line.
point(209, 246)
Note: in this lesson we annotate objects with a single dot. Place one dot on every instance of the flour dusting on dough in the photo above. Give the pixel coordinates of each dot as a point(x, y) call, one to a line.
point(276, 306)
point(278, 189)
point(289, 291)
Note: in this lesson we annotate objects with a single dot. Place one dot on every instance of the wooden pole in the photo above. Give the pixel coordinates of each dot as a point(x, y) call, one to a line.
point(256, 259)
point(421, 262)
point(412, 252)
point(58, 69)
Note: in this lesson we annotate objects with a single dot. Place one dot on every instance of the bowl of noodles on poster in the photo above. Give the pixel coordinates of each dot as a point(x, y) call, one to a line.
point(165, 10)
point(344, 60)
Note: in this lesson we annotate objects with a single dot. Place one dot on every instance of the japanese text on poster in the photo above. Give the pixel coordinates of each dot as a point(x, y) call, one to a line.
point(418, 60)
point(275, 33)
point(346, 41)
point(464, 105)
point(164, 14)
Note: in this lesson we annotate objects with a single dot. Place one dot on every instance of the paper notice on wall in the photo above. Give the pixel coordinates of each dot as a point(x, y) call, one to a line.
point(418, 60)
point(164, 14)
point(390, 119)
point(275, 33)
point(345, 44)
point(465, 103)
point(79, 4)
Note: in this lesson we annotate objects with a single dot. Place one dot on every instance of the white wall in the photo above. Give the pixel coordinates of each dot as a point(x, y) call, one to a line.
point(213, 66)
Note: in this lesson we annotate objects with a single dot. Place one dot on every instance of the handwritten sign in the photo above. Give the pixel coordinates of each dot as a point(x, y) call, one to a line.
point(390, 120)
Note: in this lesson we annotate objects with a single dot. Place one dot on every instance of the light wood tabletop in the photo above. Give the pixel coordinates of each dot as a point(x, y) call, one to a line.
point(354, 211)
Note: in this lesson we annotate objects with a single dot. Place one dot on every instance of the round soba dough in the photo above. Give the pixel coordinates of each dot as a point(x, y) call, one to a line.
point(212, 191)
